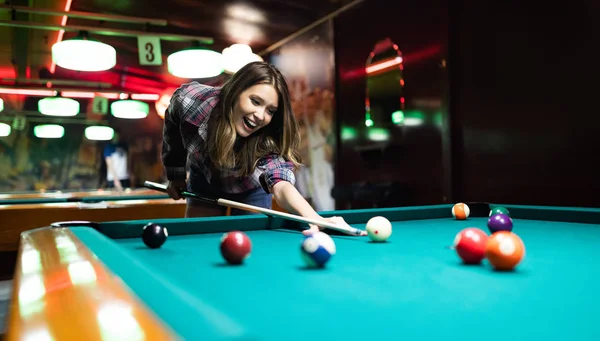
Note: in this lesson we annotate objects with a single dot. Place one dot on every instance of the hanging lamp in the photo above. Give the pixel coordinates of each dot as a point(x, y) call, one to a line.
point(195, 62)
point(99, 133)
point(130, 109)
point(84, 54)
point(58, 106)
point(237, 56)
point(4, 130)
point(49, 131)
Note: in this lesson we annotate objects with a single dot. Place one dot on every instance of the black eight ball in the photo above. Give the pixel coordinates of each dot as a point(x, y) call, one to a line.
point(154, 235)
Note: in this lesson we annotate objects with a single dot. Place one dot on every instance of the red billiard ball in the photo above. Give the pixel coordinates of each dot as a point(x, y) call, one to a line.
point(235, 247)
point(470, 245)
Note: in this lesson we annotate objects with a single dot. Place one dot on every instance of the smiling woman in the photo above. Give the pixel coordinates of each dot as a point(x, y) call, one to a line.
point(256, 94)
point(254, 109)
point(237, 142)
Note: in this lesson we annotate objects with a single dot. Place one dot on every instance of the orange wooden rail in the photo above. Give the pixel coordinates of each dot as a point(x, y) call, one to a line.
point(62, 292)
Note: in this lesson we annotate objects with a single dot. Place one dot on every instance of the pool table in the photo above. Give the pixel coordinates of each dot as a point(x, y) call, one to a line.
point(98, 281)
point(79, 196)
point(17, 218)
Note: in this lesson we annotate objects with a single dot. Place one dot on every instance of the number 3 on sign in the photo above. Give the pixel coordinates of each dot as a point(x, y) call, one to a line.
point(149, 51)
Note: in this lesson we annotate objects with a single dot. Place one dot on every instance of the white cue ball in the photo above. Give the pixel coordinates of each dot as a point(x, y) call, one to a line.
point(379, 229)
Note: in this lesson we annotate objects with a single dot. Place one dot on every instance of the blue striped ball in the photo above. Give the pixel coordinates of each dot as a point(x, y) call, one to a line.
point(317, 249)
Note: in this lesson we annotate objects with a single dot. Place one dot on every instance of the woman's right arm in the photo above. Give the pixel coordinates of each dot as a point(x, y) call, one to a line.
point(188, 110)
point(174, 154)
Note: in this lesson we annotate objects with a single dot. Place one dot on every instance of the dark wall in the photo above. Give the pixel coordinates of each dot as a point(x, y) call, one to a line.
point(414, 155)
point(525, 102)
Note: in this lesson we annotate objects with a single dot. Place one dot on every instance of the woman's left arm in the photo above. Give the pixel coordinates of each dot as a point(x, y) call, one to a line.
point(288, 197)
point(278, 178)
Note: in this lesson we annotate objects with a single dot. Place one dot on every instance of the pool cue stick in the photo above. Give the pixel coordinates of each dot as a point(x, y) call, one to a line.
point(252, 208)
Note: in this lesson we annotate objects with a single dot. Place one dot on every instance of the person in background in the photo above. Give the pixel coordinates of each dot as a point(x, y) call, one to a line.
point(116, 155)
point(46, 180)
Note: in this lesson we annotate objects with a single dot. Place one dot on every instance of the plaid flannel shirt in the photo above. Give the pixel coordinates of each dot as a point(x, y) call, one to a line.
point(184, 132)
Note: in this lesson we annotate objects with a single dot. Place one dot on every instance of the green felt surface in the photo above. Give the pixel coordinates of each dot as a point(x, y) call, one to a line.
point(412, 288)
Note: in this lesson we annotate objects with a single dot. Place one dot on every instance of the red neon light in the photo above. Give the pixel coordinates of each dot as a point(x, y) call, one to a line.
point(426, 53)
point(111, 95)
point(85, 94)
point(145, 97)
point(27, 92)
point(63, 23)
point(432, 51)
point(78, 94)
point(7, 72)
point(384, 65)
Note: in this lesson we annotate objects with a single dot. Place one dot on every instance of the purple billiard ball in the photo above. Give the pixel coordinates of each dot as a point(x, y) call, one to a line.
point(500, 222)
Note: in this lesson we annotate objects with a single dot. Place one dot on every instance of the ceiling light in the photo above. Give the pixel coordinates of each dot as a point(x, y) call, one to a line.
point(195, 63)
point(378, 134)
point(242, 49)
point(129, 109)
point(234, 64)
point(241, 31)
point(4, 129)
point(237, 56)
point(99, 133)
point(246, 13)
point(84, 54)
point(58, 106)
point(49, 131)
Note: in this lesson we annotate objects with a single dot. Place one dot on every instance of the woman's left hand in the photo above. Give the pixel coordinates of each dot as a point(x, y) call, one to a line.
point(334, 220)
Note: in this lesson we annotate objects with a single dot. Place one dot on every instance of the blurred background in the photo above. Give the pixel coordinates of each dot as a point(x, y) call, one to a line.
point(404, 103)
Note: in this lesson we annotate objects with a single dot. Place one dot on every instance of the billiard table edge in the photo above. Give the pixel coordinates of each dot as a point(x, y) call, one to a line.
point(583, 215)
point(218, 224)
point(64, 291)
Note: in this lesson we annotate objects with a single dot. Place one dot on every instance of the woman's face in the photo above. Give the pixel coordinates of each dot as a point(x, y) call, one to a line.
point(254, 109)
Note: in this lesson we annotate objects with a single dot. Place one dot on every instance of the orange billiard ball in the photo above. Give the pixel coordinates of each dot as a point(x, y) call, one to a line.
point(461, 211)
point(504, 250)
point(470, 245)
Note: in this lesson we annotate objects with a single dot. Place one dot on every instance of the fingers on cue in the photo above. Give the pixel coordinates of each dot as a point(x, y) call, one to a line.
point(311, 230)
point(173, 193)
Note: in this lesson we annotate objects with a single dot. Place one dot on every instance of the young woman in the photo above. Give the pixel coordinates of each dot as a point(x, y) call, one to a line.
point(238, 142)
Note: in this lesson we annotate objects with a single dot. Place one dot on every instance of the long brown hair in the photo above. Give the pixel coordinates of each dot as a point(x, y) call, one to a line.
point(280, 136)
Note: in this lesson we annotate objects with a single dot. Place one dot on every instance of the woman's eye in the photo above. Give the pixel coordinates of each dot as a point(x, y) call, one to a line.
point(255, 102)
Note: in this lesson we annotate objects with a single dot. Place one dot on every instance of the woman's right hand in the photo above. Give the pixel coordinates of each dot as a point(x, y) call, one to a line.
point(175, 187)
